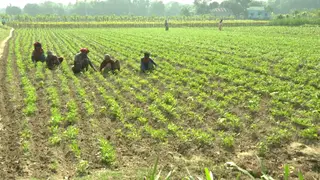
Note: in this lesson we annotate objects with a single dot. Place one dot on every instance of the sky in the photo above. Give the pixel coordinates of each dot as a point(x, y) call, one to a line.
point(21, 3)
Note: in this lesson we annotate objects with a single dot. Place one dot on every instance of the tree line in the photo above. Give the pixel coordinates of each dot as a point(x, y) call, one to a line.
point(157, 8)
point(107, 7)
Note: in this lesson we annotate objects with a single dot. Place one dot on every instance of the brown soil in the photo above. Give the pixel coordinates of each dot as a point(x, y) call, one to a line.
point(133, 155)
point(10, 127)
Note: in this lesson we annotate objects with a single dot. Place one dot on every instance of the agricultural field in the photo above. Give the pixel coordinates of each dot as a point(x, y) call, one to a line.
point(216, 97)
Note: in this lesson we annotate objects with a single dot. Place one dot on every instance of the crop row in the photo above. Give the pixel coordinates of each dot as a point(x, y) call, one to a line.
point(128, 24)
point(202, 92)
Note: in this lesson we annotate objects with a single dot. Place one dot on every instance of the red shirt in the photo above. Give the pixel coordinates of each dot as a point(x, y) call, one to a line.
point(145, 60)
point(36, 53)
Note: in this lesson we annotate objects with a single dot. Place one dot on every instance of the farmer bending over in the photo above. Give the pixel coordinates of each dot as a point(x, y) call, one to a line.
point(52, 60)
point(82, 61)
point(147, 63)
point(109, 64)
point(38, 54)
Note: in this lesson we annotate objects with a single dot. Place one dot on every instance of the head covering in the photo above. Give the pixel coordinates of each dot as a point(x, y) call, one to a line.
point(49, 53)
point(37, 44)
point(84, 50)
point(108, 58)
point(146, 54)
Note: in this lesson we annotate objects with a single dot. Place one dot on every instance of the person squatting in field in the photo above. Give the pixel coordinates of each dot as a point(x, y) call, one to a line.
point(147, 63)
point(82, 61)
point(38, 53)
point(220, 25)
point(109, 64)
point(53, 61)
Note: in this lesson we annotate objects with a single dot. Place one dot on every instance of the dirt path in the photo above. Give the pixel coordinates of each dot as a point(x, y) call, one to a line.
point(4, 42)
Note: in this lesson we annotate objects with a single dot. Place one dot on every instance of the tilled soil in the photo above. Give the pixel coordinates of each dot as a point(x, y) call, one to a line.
point(131, 154)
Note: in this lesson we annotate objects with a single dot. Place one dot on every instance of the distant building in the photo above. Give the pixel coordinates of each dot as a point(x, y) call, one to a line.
point(222, 12)
point(258, 13)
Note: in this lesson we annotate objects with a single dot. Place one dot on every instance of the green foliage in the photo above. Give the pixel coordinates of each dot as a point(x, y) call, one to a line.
point(72, 112)
point(278, 138)
point(183, 22)
point(209, 175)
point(300, 176)
point(71, 132)
point(262, 149)
point(286, 172)
point(82, 168)
point(55, 139)
point(201, 88)
point(310, 133)
point(107, 152)
point(154, 175)
point(75, 148)
point(298, 18)
point(228, 141)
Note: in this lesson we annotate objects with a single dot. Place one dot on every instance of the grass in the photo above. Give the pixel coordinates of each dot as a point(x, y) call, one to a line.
point(108, 174)
point(4, 33)
point(155, 173)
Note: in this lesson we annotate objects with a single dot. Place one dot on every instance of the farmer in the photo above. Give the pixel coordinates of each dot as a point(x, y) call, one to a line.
point(109, 64)
point(82, 61)
point(220, 25)
point(52, 60)
point(38, 54)
point(147, 63)
point(166, 24)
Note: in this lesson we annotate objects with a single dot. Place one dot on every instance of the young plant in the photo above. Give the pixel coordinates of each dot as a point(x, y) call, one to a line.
point(107, 152)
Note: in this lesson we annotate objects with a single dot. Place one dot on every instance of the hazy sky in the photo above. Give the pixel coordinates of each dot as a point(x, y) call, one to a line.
point(21, 3)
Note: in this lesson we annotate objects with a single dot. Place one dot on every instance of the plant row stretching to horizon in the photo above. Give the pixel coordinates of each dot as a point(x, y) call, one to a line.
point(213, 89)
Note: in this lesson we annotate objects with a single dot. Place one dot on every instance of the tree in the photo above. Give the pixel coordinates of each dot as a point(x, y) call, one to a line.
point(286, 6)
point(157, 8)
point(235, 7)
point(99, 7)
point(32, 9)
point(185, 11)
point(213, 5)
point(82, 8)
point(201, 6)
point(173, 9)
point(13, 10)
point(243, 3)
point(48, 7)
point(269, 9)
point(140, 7)
point(118, 7)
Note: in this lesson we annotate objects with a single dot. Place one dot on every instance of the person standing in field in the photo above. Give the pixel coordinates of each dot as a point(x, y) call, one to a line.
point(53, 61)
point(82, 61)
point(220, 25)
point(109, 64)
point(38, 53)
point(3, 22)
point(147, 63)
point(166, 24)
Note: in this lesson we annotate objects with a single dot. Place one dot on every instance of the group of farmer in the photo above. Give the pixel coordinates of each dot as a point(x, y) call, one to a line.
point(82, 61)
